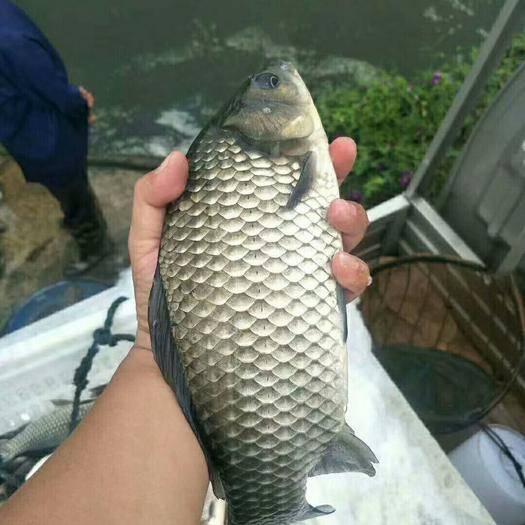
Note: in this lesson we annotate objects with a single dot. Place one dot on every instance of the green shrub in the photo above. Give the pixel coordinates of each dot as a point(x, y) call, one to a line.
point(393, 121)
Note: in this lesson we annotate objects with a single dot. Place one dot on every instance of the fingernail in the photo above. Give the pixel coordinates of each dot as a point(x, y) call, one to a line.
point(350, 262)
point(351, 208)
point(165, 162)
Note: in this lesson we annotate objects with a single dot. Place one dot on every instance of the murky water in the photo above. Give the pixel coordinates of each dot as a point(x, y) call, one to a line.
point(159, 68)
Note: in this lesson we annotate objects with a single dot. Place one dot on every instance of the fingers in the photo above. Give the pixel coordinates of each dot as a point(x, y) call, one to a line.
point(87, 96)
point(343, 151)
point(153, 193)
point(350, 219)
point(351, 273)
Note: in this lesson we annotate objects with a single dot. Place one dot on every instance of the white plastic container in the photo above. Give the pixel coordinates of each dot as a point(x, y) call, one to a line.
point(491, 475)
point(37, 363)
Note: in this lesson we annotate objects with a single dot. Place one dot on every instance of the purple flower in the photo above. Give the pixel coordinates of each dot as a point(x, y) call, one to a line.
point(405, 179)
point(437, 78)
point(356, 196)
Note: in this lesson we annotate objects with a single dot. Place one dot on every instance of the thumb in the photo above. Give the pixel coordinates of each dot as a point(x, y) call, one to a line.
point(153, 193)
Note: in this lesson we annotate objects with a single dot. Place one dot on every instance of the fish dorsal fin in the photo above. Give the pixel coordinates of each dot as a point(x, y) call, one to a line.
point(346, 453)
point(170, 363)
point(304, 183)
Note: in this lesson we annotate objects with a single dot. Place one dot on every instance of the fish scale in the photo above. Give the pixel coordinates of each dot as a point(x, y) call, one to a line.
point(256, 321)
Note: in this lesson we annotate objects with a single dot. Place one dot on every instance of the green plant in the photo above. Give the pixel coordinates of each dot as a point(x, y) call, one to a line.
point(393, 121)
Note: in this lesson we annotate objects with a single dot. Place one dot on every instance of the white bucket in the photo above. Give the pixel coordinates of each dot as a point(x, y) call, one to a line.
point(491, 475)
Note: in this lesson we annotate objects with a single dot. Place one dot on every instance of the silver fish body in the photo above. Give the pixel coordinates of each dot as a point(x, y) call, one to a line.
point(48, 431)
point(244, 268)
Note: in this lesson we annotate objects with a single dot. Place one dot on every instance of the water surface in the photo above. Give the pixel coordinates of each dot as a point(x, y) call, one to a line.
point(160, 68)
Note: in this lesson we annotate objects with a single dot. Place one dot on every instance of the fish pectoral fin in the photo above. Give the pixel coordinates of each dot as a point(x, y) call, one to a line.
point(310, 512)
point(346, 453)
point(304, 183)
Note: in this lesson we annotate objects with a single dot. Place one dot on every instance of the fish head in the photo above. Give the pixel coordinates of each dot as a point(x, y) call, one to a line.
point(273, 106)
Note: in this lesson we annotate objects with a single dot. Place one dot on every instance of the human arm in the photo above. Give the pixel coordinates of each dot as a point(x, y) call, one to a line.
point(132, 460)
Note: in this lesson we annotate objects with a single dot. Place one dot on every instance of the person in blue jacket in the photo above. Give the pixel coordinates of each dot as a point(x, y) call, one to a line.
point(44, 126)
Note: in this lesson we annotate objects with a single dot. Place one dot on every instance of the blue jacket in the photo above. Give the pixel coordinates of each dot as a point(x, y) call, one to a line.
point(43, 118)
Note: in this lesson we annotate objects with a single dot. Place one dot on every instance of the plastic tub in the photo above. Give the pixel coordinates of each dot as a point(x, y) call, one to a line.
point(491, 475)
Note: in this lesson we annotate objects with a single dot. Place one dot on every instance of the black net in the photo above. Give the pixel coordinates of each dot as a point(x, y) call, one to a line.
point(450, 335)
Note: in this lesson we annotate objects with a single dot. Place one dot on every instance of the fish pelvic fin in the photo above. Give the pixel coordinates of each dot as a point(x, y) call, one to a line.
point(310, 512)
point(169, 360)
point(346, 453)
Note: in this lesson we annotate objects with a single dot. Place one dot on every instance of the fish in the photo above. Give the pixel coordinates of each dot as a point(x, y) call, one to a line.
point(46, 432)
point(248, 325)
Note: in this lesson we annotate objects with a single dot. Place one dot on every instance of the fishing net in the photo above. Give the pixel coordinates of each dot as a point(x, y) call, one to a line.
point(450, 334)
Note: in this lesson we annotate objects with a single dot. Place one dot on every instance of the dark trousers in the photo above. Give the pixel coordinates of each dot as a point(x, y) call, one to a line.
point(78, 203)
point(82, 215)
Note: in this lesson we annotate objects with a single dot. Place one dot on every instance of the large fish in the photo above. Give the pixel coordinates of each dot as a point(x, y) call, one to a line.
point(247, 322)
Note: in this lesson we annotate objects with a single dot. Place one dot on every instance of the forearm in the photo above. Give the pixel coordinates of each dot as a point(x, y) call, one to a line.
point(132, 460)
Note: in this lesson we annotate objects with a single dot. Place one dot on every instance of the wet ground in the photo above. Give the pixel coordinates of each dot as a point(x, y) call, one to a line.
point(35, 249)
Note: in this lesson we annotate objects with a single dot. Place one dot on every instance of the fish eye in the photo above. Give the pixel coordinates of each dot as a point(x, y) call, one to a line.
point(266, 81)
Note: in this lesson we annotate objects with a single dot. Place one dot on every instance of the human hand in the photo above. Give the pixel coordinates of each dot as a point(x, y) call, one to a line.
point(153, 193)
point(157, 189)
point(351, 220)
point(90, 102)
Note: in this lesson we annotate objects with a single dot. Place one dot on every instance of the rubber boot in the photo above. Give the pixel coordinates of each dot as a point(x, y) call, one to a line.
point(85, 222)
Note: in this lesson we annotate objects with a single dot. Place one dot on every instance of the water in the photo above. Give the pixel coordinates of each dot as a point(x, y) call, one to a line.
point(158, 69)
